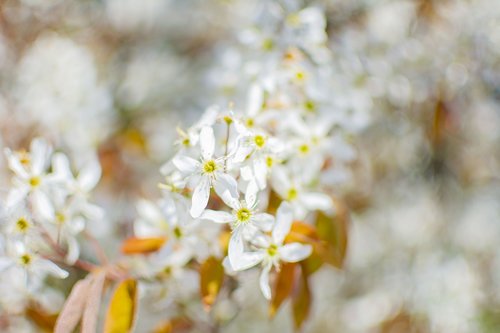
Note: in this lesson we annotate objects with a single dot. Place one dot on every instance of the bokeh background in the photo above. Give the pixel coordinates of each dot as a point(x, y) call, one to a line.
point(423, 76)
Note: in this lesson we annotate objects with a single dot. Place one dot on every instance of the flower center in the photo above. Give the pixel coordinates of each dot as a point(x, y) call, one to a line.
point(22, 224)
point(243, 214)
point(35, 181)
point(272, 250)
point(250, 122)
point(304, 149)
point(310, 106)
point(60, 218)
point(209, 166)
point(292, 194)
point(25, 259)
point(259, 141)
point(269, 161)
point(177, 232)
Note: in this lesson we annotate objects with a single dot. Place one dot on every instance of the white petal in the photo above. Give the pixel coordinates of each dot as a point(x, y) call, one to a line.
point(73, 250)
point(217, 216)
point(260, 168)
point(264, 282)
point(226, 188)
point(315, 201)
point(89, 175)
point(201, 194)
point(5, 263)
point(149, 212)
point(51, 268)
point(60, 164)
point(42, 205)
point(264, 221)
point(39, 151)
point(251, 193)
point(207, 142)
point(284, 219)
point(185, 164)
point(294, 252)
point(255, 98)
point(247, 260)
point(235, 247)
point(280, 181)
point(15, 165)
point(16, 195)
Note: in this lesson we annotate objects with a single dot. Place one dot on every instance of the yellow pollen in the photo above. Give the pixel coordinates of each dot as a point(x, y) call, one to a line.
point(24, 158)
point(209, 166)
point(267, 44)
point(243, 214)
point(300, 75)
point(259, 141)
point(228, 120)
point(25, 259)
point(177, 232)
point(35, 181)
point(22, 224)
point(60, 218)
point(186, 142)
point(269, 161)
point(310, 106)
point(272, 250)
point(304, 149)
point(250, 122)
point(292, 194)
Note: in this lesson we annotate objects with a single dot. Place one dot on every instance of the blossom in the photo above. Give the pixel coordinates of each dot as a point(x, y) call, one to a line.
point(207, 173)
point(271, 251)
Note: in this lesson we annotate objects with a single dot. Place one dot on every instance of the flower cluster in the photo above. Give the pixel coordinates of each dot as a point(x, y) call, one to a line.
point(45, 211)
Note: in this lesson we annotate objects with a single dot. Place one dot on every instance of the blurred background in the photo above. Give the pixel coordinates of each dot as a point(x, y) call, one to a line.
point(118, 76)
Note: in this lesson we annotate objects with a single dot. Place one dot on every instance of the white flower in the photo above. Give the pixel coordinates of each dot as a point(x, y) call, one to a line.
point(244, 218)
point(293, 190)
point(28, 264)
point(271, 250)
point(31, 179)
point(207, 173)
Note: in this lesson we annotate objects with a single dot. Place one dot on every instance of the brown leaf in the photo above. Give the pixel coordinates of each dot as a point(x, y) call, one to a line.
point(176, 325)
point(120, 317)
point(211, 279)
point(73, 308)
point(333, 231)
point(301, 301)
point(43, 320)
point(283, 287)
point(91, 311)
point(136, 245)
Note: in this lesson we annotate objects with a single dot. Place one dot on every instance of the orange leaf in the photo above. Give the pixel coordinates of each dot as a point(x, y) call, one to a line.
point(211, 279)
point(136, 245)
point(176, 325)
point(301, 301)
point(283, 287)
point(122, 308)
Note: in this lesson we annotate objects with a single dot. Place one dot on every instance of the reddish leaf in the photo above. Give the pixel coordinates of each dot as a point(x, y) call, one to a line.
point(93, 303)
point(73, 308)
point(44, 321)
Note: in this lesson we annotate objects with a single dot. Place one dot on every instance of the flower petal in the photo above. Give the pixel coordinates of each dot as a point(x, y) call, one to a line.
point(264, 282)
point(185, 164)
point(39, 151)
point(294, 252)
point(315, 201)
point(217, 216)
point(251, 193)
point(89, 175)
point(264, 221)
point(247, 260)
point(207, 142)
point(284, 219)
point(200, 197)
point(226, 188)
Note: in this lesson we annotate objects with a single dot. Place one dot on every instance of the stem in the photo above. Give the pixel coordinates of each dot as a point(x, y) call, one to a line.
point(99, 251)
